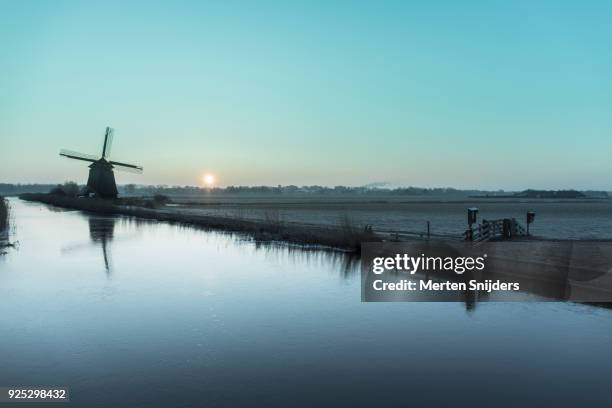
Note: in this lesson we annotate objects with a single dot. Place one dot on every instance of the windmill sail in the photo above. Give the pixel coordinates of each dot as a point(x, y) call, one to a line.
point(108, 142)
point(132, 168)
point(78, 156)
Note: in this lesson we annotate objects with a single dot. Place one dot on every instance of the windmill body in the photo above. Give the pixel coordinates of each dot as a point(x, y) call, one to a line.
point(101, 182)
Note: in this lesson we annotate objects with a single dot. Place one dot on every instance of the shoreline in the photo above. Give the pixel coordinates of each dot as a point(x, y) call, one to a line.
point(346, 236)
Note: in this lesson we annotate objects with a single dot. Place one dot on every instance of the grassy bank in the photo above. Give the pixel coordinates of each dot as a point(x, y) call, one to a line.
point(4, 224)
point(345, 236)
point(3, 214)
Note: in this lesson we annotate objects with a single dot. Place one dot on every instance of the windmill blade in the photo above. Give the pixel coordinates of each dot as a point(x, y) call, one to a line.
point(130, 168)
point(108, 142)
point(78, 156)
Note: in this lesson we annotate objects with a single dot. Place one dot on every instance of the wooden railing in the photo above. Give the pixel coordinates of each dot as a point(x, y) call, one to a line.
point(495, 229)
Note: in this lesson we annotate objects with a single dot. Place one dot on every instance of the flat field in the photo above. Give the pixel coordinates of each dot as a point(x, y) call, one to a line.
point(555, 219)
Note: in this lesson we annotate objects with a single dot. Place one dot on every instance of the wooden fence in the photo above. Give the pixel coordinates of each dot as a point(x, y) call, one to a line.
point(506, 228)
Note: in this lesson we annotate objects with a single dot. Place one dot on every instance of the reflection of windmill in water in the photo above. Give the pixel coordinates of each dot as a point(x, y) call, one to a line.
point(101, 181)
point(101, 231)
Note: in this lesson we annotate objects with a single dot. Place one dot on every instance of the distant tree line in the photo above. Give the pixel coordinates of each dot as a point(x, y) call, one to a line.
point(560, 194)
point(132, 189)
point(14, 189)
point(72, 188)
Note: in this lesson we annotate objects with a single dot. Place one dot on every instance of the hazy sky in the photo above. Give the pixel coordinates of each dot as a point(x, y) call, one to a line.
point(491, 94)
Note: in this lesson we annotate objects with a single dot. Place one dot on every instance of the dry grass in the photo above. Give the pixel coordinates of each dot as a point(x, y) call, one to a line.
point(273, 219)
point(345, 236)
point(4, 224)
point(352, 233)
point(4, 214)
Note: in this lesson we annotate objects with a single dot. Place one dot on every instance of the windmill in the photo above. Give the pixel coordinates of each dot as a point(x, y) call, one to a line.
point(101, 181)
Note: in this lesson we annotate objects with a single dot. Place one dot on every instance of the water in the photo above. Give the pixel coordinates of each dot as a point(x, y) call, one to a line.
point(144, 314)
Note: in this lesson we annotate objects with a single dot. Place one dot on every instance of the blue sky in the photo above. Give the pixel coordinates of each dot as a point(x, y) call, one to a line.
point(487, 94)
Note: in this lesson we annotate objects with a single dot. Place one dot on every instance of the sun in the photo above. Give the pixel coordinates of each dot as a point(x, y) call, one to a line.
point(209, 180)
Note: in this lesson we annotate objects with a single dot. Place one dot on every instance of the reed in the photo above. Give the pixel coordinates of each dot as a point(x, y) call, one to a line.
point(346, 236)
point(4, 214)
point(352, 233)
